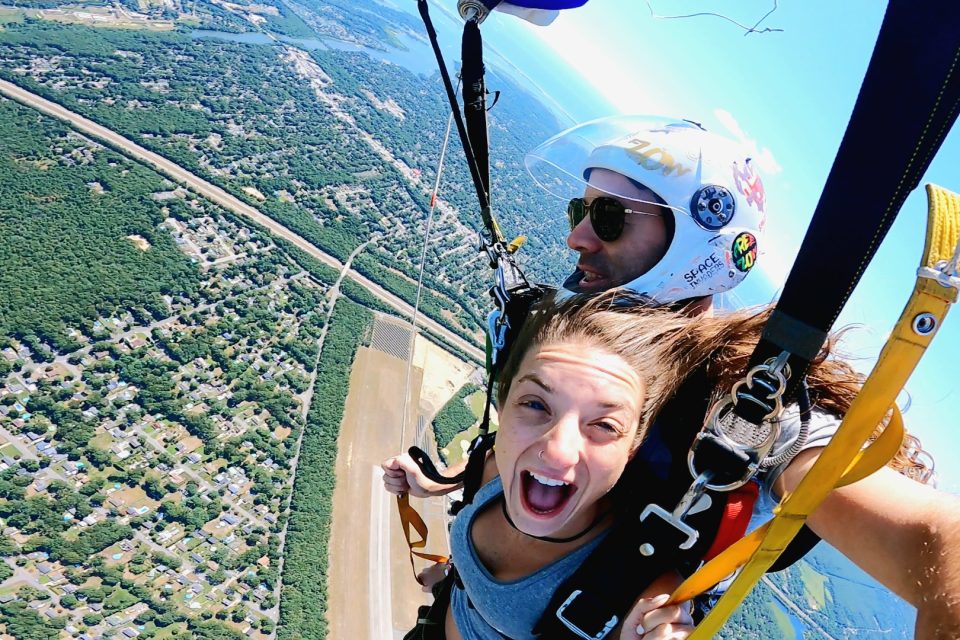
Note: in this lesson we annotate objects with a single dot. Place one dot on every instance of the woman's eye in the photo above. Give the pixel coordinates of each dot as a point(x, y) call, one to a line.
point(607, 427)
point(536, 405)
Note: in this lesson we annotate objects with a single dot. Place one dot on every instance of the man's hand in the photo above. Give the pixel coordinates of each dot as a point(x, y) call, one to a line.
point(402, 475)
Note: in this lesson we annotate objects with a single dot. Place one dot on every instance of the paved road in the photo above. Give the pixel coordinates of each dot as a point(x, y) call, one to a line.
point(219, 196)
point(22, 575)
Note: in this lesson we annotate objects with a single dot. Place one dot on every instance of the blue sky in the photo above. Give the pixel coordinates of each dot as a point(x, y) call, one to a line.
point(788, 94)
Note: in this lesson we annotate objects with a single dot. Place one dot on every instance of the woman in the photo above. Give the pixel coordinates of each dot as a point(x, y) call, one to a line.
point(582, 387)
point(585, 381)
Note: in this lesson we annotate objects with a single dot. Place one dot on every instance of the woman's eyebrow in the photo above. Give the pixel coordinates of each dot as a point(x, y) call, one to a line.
point(613, 405)
point(532, 377)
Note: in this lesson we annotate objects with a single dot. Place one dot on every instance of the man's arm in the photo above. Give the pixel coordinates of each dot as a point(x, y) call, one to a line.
point(903, 533)
point(402, 475)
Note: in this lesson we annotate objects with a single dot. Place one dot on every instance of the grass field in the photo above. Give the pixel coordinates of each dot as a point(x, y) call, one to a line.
point(8, 450)
point(476, 402)
point(815, 585)
point(784, 626)
point(10, 16)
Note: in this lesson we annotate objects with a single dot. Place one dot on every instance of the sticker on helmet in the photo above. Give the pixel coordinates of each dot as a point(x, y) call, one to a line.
point(749, 184)
point(655, 158)
point(704, 270)
point(744, 251)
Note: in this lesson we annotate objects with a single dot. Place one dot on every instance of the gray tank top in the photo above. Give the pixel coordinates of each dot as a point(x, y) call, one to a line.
point(488, 609)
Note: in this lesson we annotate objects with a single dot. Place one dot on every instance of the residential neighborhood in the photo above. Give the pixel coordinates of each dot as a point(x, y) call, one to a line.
point(145, 477)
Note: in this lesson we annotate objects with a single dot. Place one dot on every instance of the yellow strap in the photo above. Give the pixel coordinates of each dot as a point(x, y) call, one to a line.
point(736, 555)
point(410, 518)
point(897, 360)
point(516, 243)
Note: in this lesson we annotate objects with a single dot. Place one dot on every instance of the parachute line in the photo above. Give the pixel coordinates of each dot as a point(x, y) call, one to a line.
point(747, 30)
point(416, 306)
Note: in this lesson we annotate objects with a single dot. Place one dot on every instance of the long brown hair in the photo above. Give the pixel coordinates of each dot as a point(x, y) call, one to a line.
point(664, 346)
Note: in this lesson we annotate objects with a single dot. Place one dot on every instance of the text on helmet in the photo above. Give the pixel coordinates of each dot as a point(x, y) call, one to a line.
point(654, 158)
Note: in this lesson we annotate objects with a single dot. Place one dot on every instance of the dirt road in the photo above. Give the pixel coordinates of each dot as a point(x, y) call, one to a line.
point(216, 194)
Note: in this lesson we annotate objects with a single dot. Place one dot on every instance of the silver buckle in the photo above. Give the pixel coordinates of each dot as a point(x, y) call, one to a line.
point(497, 325)
point(675, 518)
point(607, 628)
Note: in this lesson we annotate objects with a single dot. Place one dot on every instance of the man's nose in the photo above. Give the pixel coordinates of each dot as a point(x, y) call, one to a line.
point(583, 238)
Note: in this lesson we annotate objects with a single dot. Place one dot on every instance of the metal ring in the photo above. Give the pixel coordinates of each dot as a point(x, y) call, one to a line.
point(712, 420)
point(924, 324)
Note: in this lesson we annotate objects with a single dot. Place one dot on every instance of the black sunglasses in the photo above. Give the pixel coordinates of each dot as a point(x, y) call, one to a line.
point(606, 216)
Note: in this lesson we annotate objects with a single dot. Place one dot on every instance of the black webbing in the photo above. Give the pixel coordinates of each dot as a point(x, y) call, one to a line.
point(907, 104)
point(455, 107)
point(475, 99)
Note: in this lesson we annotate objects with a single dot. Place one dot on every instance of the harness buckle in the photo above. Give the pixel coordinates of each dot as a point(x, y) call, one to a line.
point(754, 441)
point(607, 627)
point(675, 518)
point(497, 326)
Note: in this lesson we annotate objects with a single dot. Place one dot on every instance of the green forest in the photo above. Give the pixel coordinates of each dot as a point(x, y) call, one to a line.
point(454, 417)
point(68, 210)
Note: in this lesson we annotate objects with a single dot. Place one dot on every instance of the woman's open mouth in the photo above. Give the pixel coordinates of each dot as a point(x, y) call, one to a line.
point(543, 496)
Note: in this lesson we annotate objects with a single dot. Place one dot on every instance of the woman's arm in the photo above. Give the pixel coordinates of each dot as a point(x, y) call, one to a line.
point(903, 533)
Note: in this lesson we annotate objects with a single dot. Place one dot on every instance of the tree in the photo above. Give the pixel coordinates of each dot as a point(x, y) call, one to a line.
point(30, 593)
point(92, 619)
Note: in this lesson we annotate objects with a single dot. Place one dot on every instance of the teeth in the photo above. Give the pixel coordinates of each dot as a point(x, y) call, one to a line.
point(548, 481)
point(589, 277)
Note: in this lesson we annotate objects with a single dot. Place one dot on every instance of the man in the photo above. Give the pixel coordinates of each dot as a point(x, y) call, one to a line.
point(659, 206)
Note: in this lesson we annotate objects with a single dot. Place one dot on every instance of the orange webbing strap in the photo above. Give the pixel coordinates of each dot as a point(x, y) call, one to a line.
point(410, 518)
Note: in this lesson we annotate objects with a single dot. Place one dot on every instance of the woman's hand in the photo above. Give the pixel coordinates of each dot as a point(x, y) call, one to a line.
point(653, 619)
point(402, 475)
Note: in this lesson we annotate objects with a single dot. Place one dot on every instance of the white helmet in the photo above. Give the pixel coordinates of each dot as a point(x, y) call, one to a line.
point(707, 181)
